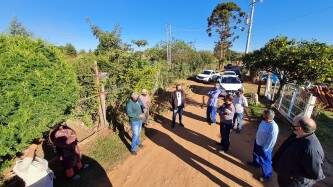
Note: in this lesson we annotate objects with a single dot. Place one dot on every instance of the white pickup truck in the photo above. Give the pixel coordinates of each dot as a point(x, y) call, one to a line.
point(207, 76)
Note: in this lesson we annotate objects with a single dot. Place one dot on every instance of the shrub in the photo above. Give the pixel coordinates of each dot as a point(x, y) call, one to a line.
point(37, 90)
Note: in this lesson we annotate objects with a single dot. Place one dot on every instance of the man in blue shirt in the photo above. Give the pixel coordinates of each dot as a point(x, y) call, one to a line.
point(212, 104)
point(266, 137)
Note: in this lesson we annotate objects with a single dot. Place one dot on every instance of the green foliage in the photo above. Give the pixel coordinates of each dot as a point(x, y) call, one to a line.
point(87, 107)
point(293, 61)
point(69, 50)
point(225, 19)
point(325, 128)
point(37, 90)
point(16, 28)
point(140, 43)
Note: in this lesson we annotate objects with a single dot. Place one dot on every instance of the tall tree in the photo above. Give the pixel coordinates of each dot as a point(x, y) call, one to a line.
point(17, 28)
point(140, 43)
point(225, 19)
point(70, 50)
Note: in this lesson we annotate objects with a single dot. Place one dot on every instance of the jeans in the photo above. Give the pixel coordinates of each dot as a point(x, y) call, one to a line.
point(211, 114)
point(136, 129)
point(263, 159)
point(239, 121)
point(225, 133)
point(179, 110)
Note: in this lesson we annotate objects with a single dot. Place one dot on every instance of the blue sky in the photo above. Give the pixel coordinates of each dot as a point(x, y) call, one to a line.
point(63, 21)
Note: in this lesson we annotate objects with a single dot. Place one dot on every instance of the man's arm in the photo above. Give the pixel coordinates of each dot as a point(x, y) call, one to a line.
point(312, 163)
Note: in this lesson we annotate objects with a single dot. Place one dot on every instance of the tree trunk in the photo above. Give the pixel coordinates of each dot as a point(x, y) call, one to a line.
point(259, 88)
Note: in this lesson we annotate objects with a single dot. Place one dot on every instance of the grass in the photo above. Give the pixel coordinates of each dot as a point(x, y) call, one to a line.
point(325, 128)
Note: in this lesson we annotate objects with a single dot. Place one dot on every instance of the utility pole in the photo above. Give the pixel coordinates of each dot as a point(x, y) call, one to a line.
point(250, 23)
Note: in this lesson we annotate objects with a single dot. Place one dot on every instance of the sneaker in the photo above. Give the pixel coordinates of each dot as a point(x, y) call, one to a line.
point(213, 124)
point(75, 177)
point(263, 179)
point(134, 153)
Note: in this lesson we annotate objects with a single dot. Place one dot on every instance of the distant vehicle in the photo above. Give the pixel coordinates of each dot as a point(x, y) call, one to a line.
point(274, 78)
point(236, 69)
point(230, 83)
point(229, 73)
point(207, 76)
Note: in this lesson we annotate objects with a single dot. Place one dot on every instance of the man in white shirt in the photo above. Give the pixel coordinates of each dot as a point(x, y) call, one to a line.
point(240, 103)
point(177, 102)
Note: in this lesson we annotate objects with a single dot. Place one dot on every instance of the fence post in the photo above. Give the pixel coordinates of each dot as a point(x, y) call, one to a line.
point(281, 97)
point(268, 86)
point(99, 101)
point(309, 106)
point(292, 102)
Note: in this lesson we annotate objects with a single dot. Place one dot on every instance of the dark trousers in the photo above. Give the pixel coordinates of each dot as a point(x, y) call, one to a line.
point(179, 110)
point(263, 159)
point(225, 129)
point(285, 181)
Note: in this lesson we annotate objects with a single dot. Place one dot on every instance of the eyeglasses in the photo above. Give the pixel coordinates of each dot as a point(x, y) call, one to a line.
point(293, 127)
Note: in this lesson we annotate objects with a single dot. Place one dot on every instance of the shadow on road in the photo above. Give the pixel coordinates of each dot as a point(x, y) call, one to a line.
point(187, 156)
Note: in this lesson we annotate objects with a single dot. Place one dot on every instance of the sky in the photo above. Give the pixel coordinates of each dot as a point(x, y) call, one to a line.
point(64, 21)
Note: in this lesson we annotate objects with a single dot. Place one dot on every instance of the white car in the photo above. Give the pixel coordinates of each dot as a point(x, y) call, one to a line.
point(230, 83)
point(229, 73)
point(207, 76)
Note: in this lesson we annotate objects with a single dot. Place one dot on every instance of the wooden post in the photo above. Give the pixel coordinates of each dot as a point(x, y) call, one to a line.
point(281, 97)
point(268, 86)
point(309, 106)
point(292, 102)
point(97, 83)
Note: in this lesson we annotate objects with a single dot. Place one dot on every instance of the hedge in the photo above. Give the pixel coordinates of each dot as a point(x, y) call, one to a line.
point(37, 90)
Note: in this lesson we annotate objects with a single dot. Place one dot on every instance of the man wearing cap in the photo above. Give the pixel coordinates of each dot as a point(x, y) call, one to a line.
point(212, 104)
point(135, 114)
point(299, 160)
point(177, 102)
point(240, 103)
point(145, 99)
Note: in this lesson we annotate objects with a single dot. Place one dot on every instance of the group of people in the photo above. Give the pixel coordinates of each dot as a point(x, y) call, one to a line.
point(297, 162)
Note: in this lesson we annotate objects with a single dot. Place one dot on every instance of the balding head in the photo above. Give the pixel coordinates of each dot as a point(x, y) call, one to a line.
point(308, 125)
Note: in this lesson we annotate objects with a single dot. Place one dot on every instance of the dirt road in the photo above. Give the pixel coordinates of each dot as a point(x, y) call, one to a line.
point(188, 156)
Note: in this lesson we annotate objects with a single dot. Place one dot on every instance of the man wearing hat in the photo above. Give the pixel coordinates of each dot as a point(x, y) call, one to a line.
point(136, 115)
point(240, 103)
point(145, 100)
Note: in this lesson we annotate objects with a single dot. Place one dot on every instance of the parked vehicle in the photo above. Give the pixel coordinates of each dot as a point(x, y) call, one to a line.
point(230, 83)
point(207, 76)
point(274, 78)
point(229, 73)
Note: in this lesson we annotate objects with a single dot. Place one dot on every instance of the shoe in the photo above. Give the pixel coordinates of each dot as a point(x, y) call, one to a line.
point(181, 125)
point(262, 179)
point(213, 124)
point(134, 153)
point(75, 177)
point(140, 146)
point(238, 131)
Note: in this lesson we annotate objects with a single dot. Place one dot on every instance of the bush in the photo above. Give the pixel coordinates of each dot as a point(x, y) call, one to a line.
point(37, 90)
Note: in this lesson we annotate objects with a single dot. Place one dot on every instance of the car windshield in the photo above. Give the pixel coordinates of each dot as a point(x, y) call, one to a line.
point(230, 80)
point(206, 72)
point(229, 73)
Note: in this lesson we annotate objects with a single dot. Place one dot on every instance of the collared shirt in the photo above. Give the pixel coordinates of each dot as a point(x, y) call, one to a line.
point(239, 103)
point(179, 98)
point(213, 97)
point(267, 134)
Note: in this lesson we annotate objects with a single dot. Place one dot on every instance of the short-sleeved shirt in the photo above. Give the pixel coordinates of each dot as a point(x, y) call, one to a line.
point(239, 103)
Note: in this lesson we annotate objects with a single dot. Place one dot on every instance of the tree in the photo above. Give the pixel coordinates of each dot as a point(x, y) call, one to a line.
point(70, 50)
point(293, 61)
point(140, 43)
point(16, 28)
point(226, 18)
